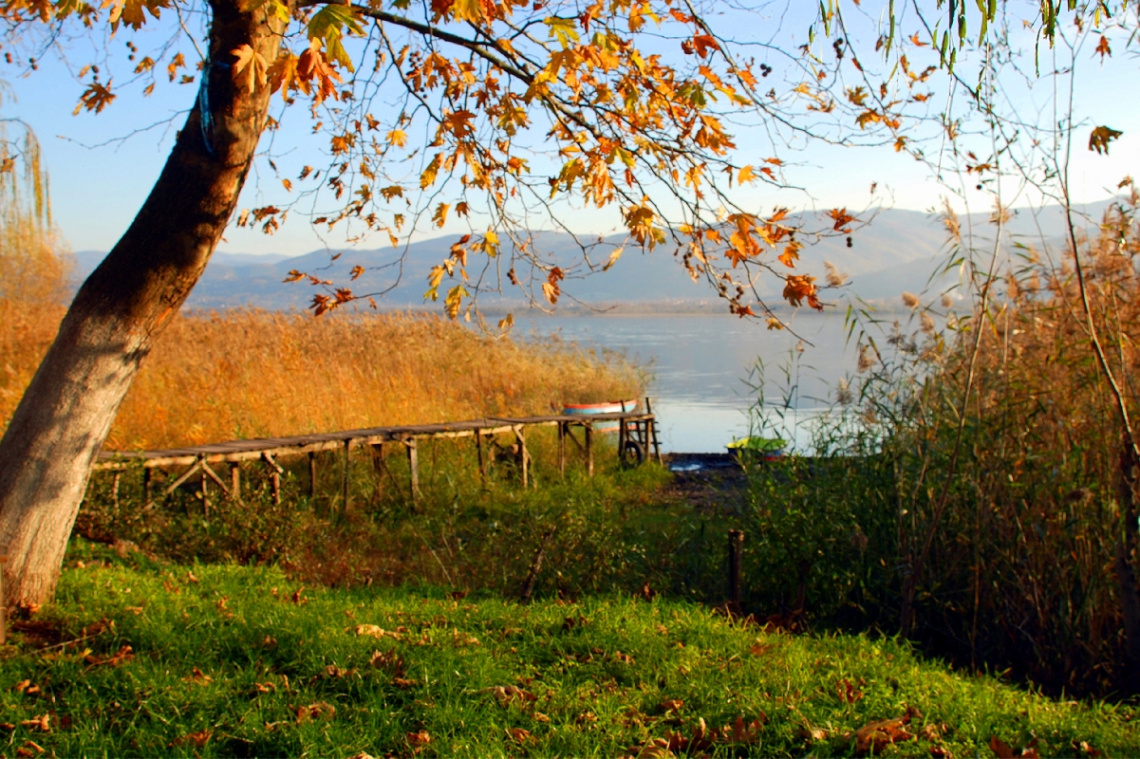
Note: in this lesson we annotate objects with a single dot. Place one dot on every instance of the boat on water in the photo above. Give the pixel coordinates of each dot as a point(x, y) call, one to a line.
point(757, 448)
point(608, 407)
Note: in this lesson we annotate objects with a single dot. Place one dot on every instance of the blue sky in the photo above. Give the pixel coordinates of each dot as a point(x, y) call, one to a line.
point(101, 166)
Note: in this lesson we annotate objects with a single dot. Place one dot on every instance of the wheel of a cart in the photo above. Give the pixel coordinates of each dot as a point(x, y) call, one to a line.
point(632, 453)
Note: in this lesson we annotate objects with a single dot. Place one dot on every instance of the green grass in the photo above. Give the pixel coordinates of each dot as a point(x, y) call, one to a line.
point(238, 661)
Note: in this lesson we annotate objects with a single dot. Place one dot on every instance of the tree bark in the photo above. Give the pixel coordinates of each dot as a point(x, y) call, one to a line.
point(66, 412)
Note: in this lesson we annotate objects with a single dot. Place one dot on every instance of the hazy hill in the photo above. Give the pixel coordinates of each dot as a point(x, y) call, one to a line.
point(896, 251)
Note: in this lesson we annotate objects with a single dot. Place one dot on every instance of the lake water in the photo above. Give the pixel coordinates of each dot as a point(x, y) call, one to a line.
point(704, 368)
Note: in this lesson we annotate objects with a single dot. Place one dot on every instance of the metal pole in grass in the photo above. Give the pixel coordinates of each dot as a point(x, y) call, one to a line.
point(735, 550)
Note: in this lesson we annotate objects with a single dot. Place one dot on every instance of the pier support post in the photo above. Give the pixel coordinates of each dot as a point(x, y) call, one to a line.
point(347, 480)
point(562, 432)
point(590, 449)
point(524, 454)
point(413, 467)
point(235, 481)
point(482, 456)
point(312, 477)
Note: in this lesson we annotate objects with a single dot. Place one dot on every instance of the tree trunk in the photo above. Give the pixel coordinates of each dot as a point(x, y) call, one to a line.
point(67, 410)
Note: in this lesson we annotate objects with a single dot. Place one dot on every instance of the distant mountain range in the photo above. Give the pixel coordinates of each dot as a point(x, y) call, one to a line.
point(896, 251)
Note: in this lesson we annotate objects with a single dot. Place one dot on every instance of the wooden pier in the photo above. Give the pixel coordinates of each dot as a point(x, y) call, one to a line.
point(206, 464)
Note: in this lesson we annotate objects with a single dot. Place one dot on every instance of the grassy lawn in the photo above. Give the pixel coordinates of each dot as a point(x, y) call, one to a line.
point(139, 659)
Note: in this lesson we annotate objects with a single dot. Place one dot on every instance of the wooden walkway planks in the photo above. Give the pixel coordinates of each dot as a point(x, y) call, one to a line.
point(236, 451)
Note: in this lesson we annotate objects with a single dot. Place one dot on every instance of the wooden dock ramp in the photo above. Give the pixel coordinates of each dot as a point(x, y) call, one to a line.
point(219, 465)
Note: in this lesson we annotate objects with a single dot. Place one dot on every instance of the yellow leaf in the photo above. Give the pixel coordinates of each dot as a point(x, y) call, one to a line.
point(614, 256)
point(250, 69)
point(439, 218)
point(398, 137)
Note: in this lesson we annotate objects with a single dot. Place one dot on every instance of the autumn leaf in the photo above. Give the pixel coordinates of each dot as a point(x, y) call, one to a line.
point(1100, 138)
point(518, 734)
point(121, 656)
point(374, 631)
point(197, 740)
point(511, 693)
point(876, 736)
point(130, 12)
point(250, 69)
point(1102, 48)
point(550, 287)
point(791, 254)
point(319, 710)
point(398, 138)
point(797, 288)
point(1000, 748)
point(614, 256)
point(841, 219)
point(848, 693)
point(282, 74)
point(95, 98)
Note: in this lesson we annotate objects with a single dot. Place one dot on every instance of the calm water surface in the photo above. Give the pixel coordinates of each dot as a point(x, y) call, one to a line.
point(707, 369)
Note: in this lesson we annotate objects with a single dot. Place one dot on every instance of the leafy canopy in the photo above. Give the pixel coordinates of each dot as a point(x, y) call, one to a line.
point(498, 114)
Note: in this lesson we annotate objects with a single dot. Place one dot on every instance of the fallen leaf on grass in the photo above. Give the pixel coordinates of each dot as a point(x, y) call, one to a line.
point(656, 748)
point(124, 654)
point(569, 623)
point(518, 735)
point(1002, 750)
point(41, 723)
point(388, 660)
point(319, 710)
point(702, 740)
point(30, 748)
point(509, 693)
point(198, 739)
point(459, 639)
point(876, 736)
point(199, 677)
point(1087, 750)
point(335, 672)
point(26, 687)
point(941, 752)
point(848, 693)
point(418, 739)
point(191, 577)
point(265, 687)
point(376, 631)
point(362, 755)
point(759, 648)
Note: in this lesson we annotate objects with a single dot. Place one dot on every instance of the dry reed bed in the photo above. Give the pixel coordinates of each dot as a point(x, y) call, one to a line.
point(244, 374)
point(1022, 568)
